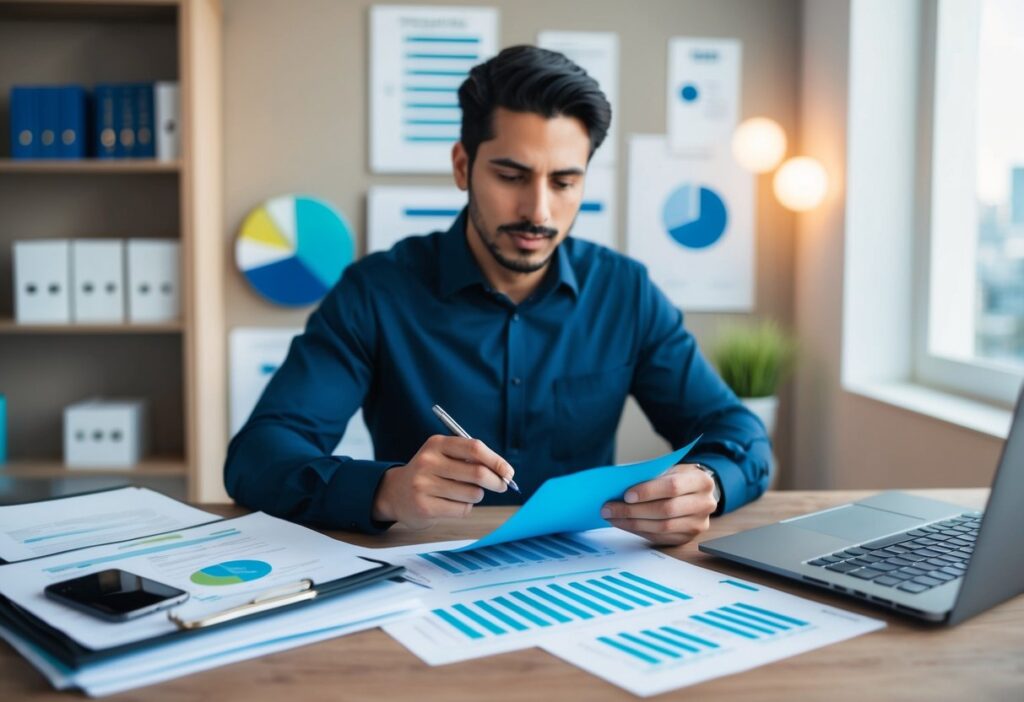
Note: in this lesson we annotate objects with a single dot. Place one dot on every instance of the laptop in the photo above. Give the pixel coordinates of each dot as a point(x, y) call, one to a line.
point(929, 559)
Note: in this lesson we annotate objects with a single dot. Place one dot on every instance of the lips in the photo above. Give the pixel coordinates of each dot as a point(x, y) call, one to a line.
point(530, 242)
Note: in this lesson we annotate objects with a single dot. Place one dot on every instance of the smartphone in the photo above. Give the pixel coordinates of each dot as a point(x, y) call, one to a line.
point(115, 595)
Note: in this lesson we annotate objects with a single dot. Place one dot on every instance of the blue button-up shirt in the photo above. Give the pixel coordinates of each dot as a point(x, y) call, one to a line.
point(543, 382)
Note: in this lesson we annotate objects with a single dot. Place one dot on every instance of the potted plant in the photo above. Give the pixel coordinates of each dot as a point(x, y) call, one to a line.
point(754, 360)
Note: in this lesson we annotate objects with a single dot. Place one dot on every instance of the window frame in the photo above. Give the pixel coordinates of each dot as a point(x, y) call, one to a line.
point(945, 317)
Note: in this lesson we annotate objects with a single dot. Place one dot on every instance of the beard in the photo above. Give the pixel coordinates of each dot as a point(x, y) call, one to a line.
point(518, 264)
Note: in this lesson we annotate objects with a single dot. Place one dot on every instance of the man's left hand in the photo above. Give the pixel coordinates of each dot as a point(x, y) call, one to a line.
point(670, 510)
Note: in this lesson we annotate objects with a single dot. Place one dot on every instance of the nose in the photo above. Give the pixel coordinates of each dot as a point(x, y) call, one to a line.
point(535, 205)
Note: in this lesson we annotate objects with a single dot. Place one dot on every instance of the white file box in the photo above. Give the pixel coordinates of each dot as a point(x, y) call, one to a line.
point(153, 280)
point(41, 282)
point(105, 433)
point(166, 97)
point(97, 274)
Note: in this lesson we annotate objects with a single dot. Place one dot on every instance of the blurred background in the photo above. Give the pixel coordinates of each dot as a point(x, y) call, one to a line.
point(831, 190)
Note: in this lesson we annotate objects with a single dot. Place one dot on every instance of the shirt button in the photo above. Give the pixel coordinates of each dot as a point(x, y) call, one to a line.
point(515, 317)
point(517, 381)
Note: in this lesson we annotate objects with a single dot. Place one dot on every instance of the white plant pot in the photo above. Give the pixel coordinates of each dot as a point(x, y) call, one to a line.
point(765, 408)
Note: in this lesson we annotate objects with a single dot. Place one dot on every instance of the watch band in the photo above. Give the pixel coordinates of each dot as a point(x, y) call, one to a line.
point(717, 494)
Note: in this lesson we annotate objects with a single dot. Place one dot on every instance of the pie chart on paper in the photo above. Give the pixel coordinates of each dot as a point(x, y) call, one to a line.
point(292, 249)
point(694, 216)
point(231, 573)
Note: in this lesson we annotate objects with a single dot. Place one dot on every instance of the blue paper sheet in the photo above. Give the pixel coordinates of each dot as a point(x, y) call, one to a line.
point(573, 502)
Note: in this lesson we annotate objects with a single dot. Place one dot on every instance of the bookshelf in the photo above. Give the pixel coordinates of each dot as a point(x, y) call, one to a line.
point(179, 367)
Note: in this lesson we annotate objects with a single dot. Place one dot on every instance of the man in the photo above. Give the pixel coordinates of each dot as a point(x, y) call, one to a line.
point(528, 338)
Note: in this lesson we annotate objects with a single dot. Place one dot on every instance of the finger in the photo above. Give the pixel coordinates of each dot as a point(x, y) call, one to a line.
point(441, 508)
point(699, 505)
point(456, 491)
point(471, 473)
point(476, 451)
point(684, 527)
point(671, 484)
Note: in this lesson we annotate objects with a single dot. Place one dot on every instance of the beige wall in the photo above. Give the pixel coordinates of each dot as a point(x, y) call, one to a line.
point(844, 440)
point(295, 120)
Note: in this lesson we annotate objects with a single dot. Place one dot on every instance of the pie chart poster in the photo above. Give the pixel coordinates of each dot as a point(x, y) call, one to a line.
point(691, 222)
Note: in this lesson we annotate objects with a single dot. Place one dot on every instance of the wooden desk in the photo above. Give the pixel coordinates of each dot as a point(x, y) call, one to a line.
point(982, 659)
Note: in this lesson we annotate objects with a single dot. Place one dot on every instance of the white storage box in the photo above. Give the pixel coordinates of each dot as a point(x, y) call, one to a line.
point(98, 277)
point(105, 433)
point(153, 280)
point(42, 271)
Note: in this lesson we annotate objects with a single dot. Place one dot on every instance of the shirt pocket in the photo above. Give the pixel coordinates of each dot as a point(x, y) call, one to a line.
point(587, 412)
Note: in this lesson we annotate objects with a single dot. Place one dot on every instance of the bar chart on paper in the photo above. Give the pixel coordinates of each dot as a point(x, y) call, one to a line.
point(748, 622)
point(509, 615)
point(704, 638)
point(514, 554)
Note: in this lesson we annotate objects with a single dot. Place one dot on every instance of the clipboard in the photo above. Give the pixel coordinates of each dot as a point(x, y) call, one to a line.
point(74, 655)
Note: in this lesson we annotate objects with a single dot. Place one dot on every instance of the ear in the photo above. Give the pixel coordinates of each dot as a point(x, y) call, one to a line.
point(460, 166)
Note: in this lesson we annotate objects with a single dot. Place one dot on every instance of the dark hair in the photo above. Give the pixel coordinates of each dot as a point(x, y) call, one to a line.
point(530, 79)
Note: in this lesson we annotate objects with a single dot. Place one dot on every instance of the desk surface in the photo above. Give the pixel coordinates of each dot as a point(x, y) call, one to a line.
point(982, 659)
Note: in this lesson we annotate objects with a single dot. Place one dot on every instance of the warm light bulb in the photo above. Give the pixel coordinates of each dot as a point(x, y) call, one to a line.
point(801, 183)
point(759, 144)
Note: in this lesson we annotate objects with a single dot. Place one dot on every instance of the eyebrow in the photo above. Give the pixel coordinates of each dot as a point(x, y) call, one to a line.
point(515, 165)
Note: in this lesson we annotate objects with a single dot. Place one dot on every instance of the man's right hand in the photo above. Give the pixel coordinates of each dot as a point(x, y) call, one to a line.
point(444, 479)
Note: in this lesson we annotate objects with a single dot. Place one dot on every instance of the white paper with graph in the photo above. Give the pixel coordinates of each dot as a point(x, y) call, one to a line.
point(726, 626)
point(571, 590)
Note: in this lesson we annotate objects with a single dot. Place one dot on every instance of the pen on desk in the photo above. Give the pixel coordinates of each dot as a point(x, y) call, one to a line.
point(454, 428)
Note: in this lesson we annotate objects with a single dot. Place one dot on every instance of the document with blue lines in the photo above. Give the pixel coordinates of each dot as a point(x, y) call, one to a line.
point(41, 528)
point(220, 565)
point(726, 627)
point(586, 587)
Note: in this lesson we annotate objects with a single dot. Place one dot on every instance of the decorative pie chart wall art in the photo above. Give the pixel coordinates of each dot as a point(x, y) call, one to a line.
point(694, 216)
point(292, 249)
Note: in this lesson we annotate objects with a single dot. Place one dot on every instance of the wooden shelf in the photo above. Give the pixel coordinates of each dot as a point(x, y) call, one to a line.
point(9, 326)
point(49, 470)
point(91, 10)
point(90, 166)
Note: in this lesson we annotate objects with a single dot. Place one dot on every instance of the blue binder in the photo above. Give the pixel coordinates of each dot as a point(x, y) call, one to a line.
point(124, 95)
point(104, 128)
point(145, 133)
point(49, 122)
point(72, 122)
point(24, 122)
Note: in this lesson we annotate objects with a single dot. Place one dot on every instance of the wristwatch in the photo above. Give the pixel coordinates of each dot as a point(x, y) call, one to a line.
point(717, 494)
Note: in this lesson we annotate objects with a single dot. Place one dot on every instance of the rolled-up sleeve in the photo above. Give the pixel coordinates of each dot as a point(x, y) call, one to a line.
point(683, 396)
point(280, 462)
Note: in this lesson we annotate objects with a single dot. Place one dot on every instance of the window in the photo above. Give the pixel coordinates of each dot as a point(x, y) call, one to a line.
point(974, 225)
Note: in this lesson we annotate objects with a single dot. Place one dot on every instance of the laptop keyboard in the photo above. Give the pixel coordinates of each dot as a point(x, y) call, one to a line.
point(914, 561)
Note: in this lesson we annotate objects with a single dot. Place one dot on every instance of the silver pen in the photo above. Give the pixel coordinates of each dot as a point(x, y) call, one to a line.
point(454, 428)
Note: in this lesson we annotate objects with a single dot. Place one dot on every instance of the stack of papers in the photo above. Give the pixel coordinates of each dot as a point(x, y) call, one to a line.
point(601, 599)
point(220, 563)
point(606, 602)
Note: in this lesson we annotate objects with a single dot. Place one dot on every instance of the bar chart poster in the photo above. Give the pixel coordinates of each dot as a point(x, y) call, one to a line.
point(597, 53)
point(691, 221)
point(597, 220)
point(419, 57)
point(255, 354)
point(394, 212)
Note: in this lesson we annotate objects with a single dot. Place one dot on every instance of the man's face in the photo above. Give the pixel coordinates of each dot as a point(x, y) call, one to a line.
point(526, 186)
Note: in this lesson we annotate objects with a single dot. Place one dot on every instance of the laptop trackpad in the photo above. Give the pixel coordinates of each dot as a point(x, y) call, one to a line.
point(855, 522)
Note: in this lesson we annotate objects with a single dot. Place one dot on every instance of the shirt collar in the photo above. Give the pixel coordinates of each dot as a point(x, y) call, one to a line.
point(459, 270)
